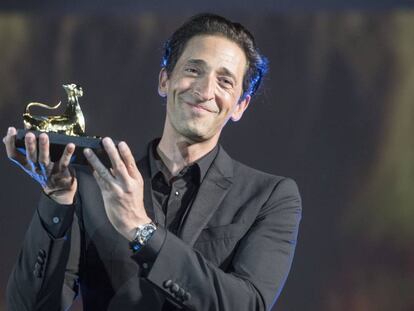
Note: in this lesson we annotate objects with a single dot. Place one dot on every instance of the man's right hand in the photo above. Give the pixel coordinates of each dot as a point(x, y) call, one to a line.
point(57, 179)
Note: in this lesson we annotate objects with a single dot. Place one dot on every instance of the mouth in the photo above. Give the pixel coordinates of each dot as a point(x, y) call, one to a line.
point(200, 107)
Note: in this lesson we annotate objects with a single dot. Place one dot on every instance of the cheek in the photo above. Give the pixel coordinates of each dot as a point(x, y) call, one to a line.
point(181, 84)
point(228, 103)
point(230, 96)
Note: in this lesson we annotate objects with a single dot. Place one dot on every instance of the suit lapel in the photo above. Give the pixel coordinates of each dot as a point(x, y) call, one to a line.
point(211, 193)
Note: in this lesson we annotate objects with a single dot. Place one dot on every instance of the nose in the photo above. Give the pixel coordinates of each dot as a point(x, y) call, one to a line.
point(204, 88)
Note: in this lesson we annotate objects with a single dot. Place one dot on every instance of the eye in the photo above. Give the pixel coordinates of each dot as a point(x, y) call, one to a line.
point(191, 70)
point(226, 82)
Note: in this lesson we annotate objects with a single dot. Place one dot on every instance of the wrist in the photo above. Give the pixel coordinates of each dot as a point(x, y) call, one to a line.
point(143, 221)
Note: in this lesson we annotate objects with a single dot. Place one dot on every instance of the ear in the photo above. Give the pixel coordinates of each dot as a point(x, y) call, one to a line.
point(163, 83)
point(240, 108)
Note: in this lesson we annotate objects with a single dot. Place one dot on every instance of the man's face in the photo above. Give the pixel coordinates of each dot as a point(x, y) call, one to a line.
point(204, 89)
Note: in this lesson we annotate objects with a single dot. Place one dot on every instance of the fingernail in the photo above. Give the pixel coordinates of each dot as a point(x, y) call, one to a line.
point(107, 141)
point(9, 130)
point(87, 152)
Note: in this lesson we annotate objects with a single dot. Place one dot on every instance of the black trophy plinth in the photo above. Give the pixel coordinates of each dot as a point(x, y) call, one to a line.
point(58, 143)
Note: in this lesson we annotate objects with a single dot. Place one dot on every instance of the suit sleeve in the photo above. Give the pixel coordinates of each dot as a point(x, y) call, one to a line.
point(258, 270)
point(46, 272)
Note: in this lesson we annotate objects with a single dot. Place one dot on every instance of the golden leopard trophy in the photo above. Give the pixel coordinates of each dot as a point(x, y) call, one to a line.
point(69, 127)
point(71, 122)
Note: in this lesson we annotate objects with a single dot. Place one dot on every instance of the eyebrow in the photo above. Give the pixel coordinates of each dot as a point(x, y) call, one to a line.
point(202, 63)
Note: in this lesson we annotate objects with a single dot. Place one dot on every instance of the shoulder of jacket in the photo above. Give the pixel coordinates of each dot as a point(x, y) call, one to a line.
point(241, 169)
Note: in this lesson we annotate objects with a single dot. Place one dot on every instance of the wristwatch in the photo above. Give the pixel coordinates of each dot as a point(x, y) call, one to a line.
point(143, 234)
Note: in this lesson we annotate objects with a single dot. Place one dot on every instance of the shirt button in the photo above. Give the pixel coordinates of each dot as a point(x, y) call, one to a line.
point(176, 193)
point(55, 220)
point(145, 265)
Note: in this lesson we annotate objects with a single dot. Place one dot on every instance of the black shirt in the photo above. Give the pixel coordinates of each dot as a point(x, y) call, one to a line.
point(173, 195)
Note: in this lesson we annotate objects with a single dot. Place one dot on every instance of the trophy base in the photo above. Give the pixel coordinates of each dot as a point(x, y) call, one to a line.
point(58, 143)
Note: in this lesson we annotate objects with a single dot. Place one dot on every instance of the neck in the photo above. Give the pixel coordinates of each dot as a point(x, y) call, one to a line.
point(178, 152)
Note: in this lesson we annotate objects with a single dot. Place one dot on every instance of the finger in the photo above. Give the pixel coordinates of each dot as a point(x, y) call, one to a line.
point(118, 166)
point(97, 165)
point(31, 150)
point(66, 156)
point(18, 158)
point(128, 159)
point(44, 153)
point(10, 143)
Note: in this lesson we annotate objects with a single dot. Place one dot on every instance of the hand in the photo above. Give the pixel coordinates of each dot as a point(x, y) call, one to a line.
point(57, 179)
point(122, 188)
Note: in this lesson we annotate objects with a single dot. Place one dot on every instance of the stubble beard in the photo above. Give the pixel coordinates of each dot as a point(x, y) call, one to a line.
point(192, 129)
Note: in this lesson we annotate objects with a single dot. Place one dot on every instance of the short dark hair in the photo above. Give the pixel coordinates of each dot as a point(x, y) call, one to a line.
point(211, 24)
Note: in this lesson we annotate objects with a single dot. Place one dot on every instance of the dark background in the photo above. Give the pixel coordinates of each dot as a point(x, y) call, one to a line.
point(335, 113)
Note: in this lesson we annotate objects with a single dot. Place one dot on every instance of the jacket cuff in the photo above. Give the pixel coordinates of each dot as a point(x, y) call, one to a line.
point(56, 219)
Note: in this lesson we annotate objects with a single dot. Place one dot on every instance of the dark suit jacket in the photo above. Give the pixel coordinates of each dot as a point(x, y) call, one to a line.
point(233, 253)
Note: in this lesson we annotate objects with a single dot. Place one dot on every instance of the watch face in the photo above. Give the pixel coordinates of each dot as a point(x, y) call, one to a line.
point(145, 233)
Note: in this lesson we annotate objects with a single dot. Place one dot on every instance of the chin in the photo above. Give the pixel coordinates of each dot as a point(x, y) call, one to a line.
point(196, 135)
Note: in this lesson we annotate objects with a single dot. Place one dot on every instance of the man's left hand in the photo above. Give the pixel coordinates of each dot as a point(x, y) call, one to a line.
point(122, 188)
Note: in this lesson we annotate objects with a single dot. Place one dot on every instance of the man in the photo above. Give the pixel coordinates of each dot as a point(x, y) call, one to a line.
point(187, 227)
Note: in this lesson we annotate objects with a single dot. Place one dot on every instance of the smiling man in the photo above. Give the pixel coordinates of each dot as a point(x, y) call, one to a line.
point(186, 227)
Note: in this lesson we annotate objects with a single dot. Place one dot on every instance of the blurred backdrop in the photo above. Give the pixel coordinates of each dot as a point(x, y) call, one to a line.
point(335, 113)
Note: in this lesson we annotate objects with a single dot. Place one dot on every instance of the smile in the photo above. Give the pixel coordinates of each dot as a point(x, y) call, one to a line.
point(201, 108)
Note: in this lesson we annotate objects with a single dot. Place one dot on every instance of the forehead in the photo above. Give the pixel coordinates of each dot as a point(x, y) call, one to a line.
point(215, 51)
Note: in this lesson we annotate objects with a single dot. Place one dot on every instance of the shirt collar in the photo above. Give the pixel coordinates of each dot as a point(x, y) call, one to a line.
point(157, 165)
